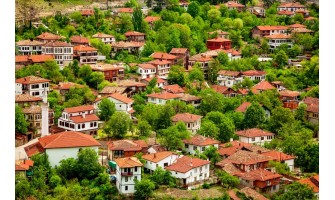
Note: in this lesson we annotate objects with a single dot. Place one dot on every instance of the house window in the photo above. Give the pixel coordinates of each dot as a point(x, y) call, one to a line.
point(83, 126)
point(203, 148)
point(35, 86)
point(186, 146)
point(166, 164)
point(253, 139)
point(135, 169)
point(274, 187)
point(126, 188)
point(35, 93)
point(194, 148)
point(195, 170)
point(262, 138)
point(126, 179)
point(315, 115)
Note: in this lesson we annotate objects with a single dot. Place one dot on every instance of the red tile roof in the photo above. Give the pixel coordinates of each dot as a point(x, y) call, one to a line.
point(22, 58)
point(218, 39)
point(81, 48)
point(159, 80)
point(233, 52)
point(57, 44)
point(79, 109)
point(188, 97)
point(102, 35)
point(278, 36)
point(259, 175)
point(130, 83)
point(201, 57)
point(26, 98)
point(121, 98)
point(270, 28)
point(28, 43)
point(220, 88)
point(200, 140)
point(263, 85)
point(231, 169)
point(245, 158)
point(159, 62)
point(302, 30)
point(312, 182)
point(312, 104)
point(87, 12)
point(49, 36)
point(156, 157)
point(33, 149)
point(67, 139)
point(310, 100)
point(164, 56)
point(285, 12)
point(151, 19)
point(232, 4)
point(68, 85)
point(253, 194)
point(313, 108)
point(278, 156)
point(297, 26)
point(186, 117)
point(185, 164)
point(31, 80)
point(146, 66)
point(128, 162)
point(291, 5)
point(125, 10)
point(127, 145)
point(229, 73)
point(88, 118)
point(289, 93)
point(164, 95)
point(254, 73)
point(173, 89)
point(243, 107)
point(123, 44)
point(106, 67)
point(134, 33)
point(79, 39)
point(253, 132)
point(179, 50)
point(23, 165)
point(40, 58)
point(310, 18)
point(233, 195)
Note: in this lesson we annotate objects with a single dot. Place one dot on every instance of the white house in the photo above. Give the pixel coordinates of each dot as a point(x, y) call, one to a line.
point(62, 146)
point(192, 122)
point(162, 67)
point(199, 143)
point(161, 98)
point(254, 75)
point(155, 148)
point(160, 82)
point(190, 99)
point(29, 47)
point(146, 70)
point(294, 6)
point(61, 51)
point(190, 171)
point(80, 118)
point(160, 159)
point(281, 157)
point(105, 38)
point(127, 170)
point(276, 40)
point(122, 103)
point(32, 85)
point(255, 136)
point(229, 78)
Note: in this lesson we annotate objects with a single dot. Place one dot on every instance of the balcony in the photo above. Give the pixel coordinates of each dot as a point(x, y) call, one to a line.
point(126, 173)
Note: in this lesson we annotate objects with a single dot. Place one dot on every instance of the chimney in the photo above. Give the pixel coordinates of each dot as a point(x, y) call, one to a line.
point(231, 139)
point(83, 114)
point(191, 164)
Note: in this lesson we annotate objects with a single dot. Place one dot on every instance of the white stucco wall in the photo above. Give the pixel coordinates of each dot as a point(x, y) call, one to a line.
point(121, 180)
point(153, 166)
point(290, 164)
point(191, 150)
point(195, 174)
point(56, 155)
point(257, 141)
point(119, 105)
point(18, 88)
point(156, 101)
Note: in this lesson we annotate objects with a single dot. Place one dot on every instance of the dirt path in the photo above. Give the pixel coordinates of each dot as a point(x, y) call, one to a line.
point(213, 192)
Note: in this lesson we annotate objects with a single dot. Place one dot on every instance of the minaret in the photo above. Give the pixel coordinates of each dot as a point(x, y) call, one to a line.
point(45, 115)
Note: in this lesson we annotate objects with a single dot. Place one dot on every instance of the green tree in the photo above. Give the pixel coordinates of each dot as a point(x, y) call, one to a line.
point(23, 189)
point(21, 124)
point(162, 177)
point(223, 58)
point(177, 75)
point(227, 180)
point(308, 157)
point(281, 168)
point(172, 137)
point(137, 19)
point(213, 69)
point(67, 168)
point(279, 117)
point(280, 59)
point(209, 129)
point(300, 113)
point(164, 116)
point(85, 72)
point(88, 166)
point(212, 154)
point(181, 106)
point(76, 16)
point(211, 101)
point(126, 23)
point(225, 125)
point(95, 79)
point(55, 181)
point(214, 16)
point(144, 128)
point(143, 189)
point(297, 191)
point(106, 109)
point(118, 125)
point(254, 116)
point(196, 74)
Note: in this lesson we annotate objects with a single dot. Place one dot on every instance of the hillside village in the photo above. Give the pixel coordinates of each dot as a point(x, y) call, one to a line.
point(168, 100)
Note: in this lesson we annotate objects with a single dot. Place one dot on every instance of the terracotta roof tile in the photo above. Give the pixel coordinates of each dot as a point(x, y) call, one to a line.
point(233, 52)
point(310, 18)
point(231, 169)
point(159, 62)
point(22, 58)
point(134, 33)
point(243, 107)
point(79, 39)
point(302, 30)
point(81, 48)
point(102, 35)
point(87, 12)
point(31, 80)
point(40, 58)
point(259, 175)
point(233, 195)
point(123, 44)
point(146, 66)
point(220, 88)
point(34, 109)
point(229, 73)
point(79, 109)
point(112, 89)
point(151, 19)
point(200, 140)
point(88, 118)
point(130, 83)
point(263, 85)
point(173, 89)
point(289, 93)
point(178, 50)
point(67, 139)
point(245, 157)
point(164, 95)
point(297, 26)
point(278, 156)
point(253, 132)
point(278, 36)
point(254, 73)
point(232, 4)
point(23, 165)
point(49, 36)
point(121, 98)
point(164, 56)
point(156, 157)
point(33, 149)
point(218, 39)
point(270, 28)
point(125, 10)
point(201, 57)
point(188, 97)
point(26, 98)
point(313, 184)
point(106, 67)
point(68, 85)
point(285, 12)
point(291, 5)
point(185, 164)
point(57, 44)
point(127, 145)
point(28, 43)
point(128, 162)
point(186, 117)
point(253, 194)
